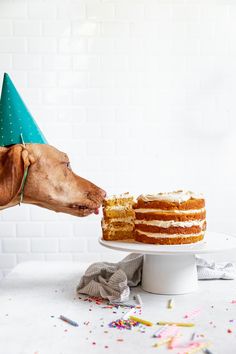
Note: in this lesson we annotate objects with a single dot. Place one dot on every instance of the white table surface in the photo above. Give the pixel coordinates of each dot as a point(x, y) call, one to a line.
point(35, 291)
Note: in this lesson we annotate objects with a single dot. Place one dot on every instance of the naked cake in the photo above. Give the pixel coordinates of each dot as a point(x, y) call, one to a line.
point(118, 217)
point(170, 218)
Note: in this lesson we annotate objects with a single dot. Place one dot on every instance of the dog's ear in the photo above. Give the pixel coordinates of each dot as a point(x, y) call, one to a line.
point(13, 161)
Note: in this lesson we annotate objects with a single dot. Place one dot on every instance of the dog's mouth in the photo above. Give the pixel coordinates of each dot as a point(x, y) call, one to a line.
point(85, 209)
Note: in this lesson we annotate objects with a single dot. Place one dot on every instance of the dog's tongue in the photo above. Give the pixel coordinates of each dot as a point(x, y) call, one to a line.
point(96, 211)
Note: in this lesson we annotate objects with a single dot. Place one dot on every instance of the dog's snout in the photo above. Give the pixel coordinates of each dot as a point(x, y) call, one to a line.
point(96, 195)
point(103, 193)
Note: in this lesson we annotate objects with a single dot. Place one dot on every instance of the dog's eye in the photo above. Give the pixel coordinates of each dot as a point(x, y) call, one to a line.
point(68, 165)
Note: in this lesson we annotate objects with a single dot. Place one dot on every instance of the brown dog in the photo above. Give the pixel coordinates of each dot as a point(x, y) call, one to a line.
point(50, 182)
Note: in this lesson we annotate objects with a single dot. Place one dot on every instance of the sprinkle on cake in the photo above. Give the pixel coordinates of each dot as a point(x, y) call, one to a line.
point(170, 218)
point(118, 217)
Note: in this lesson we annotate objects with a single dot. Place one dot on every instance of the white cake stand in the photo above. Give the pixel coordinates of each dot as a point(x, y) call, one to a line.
point(172, 269)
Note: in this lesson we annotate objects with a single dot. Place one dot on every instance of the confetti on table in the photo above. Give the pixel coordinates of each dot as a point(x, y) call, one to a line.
point(123, 324)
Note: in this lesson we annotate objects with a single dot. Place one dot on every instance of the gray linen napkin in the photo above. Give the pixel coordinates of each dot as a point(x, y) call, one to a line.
point(112, 281)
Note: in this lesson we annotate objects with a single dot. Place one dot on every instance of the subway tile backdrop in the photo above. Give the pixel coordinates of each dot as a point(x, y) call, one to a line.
point(139, 93)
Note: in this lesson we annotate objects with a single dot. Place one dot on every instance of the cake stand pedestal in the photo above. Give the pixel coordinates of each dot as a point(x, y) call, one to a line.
point(171, 269)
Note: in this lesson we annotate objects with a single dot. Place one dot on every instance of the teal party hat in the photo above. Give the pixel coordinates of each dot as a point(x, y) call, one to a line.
point(17, 125)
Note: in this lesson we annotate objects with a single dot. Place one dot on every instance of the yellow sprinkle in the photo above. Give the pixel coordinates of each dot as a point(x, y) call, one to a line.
point(140, 320)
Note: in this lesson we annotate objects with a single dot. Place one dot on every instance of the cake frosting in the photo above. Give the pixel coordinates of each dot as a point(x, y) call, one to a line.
point(166, 236)
point(172, 211)
point(166, 224)
point(176, 197)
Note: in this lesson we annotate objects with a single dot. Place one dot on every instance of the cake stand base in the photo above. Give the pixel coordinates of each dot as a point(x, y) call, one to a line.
point(171, 269)
point(169, 274)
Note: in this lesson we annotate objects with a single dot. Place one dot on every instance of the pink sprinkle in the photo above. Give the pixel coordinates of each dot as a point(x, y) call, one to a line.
point(233, 302)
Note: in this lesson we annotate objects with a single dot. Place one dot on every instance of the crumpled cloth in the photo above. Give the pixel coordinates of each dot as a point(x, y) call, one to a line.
point(112, 281)
point(211, 270)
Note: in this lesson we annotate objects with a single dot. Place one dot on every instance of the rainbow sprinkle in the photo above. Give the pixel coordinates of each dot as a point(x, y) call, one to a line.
point(123, 324)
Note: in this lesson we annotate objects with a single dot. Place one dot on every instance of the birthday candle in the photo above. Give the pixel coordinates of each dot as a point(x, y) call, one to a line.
point(65, 319)
point(159, 331)
point(139, 300)
point(194, 347)
point(181, 324)
point(173, 342)
point(140, 320)
point(161, 342)
point(168, 331)
point(128, 314)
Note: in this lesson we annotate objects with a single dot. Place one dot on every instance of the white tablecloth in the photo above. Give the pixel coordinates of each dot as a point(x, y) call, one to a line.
point(35, 294)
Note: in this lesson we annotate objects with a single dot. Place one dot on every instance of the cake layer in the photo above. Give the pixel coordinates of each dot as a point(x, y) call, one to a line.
point(170, 230)
point(176, 215)
point(124, 199)
point(116, 212)
point(167, 239)
point(118, 235)
point(190, 204)
point(118, 226)
point(129, 220)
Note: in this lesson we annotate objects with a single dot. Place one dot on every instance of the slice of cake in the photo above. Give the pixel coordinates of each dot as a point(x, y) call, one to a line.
point(170, 218)
point(118, 217)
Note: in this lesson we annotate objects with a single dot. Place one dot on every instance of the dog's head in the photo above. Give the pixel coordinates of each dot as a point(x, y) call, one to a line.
point(50, 182)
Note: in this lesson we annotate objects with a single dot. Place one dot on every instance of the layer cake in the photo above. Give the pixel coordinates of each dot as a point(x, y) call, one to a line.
point(170, 218)
point(118, 217)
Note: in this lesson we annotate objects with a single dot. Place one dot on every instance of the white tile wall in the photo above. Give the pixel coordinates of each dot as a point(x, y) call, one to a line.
point(140, 94)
